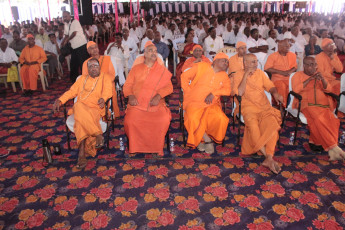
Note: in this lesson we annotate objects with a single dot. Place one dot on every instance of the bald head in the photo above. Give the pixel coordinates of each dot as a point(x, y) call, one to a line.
point(250, 61)
point(309, 66)
point(283, 47)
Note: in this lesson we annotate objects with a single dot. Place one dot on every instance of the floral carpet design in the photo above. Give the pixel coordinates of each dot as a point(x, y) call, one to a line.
point(184, 190)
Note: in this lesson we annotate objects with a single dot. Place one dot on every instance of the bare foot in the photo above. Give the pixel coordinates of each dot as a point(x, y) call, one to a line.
point(272, 165)
point(99, 141)
point(336, 154)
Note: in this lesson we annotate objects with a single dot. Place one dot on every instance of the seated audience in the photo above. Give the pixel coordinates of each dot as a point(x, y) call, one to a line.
point(7, 56)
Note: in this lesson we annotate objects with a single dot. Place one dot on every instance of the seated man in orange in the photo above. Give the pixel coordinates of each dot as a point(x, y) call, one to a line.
point(203, 85)
point(262, 121)
point(315, 105)
point(106, 67)
point(198, 56)
point(236, 61)
point(31, 58)
point(281, 64)
point(328, 62)
point(147, 118)
point(91, 90)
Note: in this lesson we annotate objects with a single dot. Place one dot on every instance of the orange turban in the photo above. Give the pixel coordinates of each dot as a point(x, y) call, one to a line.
point(148, 43)
point(325, 42)
point(239, 44)
point(90, 43)
point(197, 46)
point(30, 36)
point(221, 55)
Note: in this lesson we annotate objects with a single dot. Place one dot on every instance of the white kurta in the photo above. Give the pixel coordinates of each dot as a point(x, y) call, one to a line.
point(211, 45)
point(133, 50)
point(252, 43)
point(8, 56)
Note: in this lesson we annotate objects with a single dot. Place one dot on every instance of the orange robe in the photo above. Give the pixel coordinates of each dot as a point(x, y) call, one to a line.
point(262, 121)
point(145, 125)
point(141, 59)
point(108, 68)
point(315, 105)
point(87, 113)
point(189, 63)
point(283, 63)
point(199, 117)
point(235, 65)
point(326, 66)
point(29, 73)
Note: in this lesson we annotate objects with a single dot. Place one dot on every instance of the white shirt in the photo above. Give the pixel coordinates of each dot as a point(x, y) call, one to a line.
point(213, 45)
point(136, 32)
point(50, 47)
point(271, 45)
point(143, 42)
point(300, 42)
point(8, 37)
point(79, 39)
point(229, 37)
point(340, 32)
point(8, 56)
point(182, 40)
point(117, 52)
point(220, 30)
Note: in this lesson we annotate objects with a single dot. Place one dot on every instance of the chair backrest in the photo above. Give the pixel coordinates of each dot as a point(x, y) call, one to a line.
point(179, 46)
point(342, 97)
point(290, 89)
point(342, 83)
point(227, 50)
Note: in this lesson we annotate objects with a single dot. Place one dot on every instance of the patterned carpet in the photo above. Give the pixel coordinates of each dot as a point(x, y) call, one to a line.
point(183, 190)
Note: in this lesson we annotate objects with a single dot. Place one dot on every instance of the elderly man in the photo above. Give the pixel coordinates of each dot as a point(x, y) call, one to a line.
point(257, 46)
point(198, 56)
point(339, 36)
point(119, 53)
point(106, 66)
point(281, 64)
point(262, 121)
point(149, 37)
point(92, 91)
point(41, 37)
point(229, 36)
point(213, 43)
point(31, 58)
point(7, 56)
point(147, 118)
point(132, 46)
point(203, 85)
point(316, 107)
point(328, 62)
point(162, 48)
point(52, 50)
point(17, 44)
point(75, 35)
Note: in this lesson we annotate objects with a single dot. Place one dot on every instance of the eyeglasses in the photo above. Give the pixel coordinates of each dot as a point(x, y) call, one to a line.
point(93, 66)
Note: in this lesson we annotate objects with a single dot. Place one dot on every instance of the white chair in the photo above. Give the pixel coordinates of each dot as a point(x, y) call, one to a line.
point(342, 94)
point(228, 50)
point(239, 115)
point(68, 61)
point(41, 75)
point(3, 77)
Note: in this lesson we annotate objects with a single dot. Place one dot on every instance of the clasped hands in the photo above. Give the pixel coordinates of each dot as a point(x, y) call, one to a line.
point(132, 100)
point(57, 104)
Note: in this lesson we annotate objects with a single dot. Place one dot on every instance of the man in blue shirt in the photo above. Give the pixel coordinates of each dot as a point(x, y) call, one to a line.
point(162, 48)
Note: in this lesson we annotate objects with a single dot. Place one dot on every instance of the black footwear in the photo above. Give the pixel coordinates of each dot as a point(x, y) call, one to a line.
point(315, 148)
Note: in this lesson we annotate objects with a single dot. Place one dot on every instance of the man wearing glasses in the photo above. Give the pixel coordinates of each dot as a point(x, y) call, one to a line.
point(91, 90)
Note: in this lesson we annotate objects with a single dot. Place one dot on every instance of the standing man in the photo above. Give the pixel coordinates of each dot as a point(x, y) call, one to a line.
point(75, 35)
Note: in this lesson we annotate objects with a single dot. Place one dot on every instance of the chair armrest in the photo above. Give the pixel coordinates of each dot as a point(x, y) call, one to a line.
point(181, 96)
point(296, 95)
point(239, 98)
point(342, 93)
point(336, 97)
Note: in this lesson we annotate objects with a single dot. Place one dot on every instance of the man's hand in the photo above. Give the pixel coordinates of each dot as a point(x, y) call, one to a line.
point(101, 103)
point(278, 98)
point(209, 99)
point(56, 106)
point(197, 60)
point(212, 53)
point(249, 72)
point(318, 76)
point(132, 100)
point(155, 100)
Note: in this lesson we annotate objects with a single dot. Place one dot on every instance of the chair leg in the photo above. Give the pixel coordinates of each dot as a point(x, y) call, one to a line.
point(239, 131)
point(295, 137)
point(68, 139)
point(168, 141)
point(108, 135)
point(43, 82)
point(14, 86)
point(183, 134)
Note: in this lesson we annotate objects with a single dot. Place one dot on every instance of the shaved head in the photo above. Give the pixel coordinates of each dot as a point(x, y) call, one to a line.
point(283, 47)
point(250, 61)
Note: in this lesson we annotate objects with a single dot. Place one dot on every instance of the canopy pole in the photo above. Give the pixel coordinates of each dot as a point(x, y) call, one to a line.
point(76, 11)
point(116, 17)
point(48, 12)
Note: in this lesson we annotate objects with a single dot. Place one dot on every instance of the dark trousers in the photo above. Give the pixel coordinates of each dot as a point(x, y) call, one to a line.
point(78, 56)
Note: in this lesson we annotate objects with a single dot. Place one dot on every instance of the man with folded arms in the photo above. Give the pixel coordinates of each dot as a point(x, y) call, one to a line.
point(92, 91)
point(147, 117)
point(203, 85)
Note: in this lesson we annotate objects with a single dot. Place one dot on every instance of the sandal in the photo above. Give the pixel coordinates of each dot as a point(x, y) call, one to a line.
point(82, 162)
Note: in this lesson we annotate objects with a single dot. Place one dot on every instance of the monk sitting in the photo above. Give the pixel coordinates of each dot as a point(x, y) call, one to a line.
point(147, 118)
point(236, 61)
point(106, 67)
point(281, 64)
point(198, 56)
point(91, 90)
point(328, 62)
point(315, 105)
point(262, 121)
point(203, 85)
point(31, 58)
